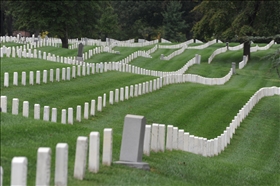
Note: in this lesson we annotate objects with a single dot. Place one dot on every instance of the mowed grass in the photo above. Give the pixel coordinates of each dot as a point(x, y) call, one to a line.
point(252, 158)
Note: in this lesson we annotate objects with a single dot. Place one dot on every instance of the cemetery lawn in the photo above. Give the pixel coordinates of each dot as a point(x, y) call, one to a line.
point(252, 158)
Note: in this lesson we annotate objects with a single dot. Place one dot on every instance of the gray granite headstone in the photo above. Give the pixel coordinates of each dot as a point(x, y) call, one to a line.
point(233, 65)
point(133, 142)
point(80, 52)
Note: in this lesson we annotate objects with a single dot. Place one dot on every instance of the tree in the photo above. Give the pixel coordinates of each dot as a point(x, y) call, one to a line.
point(108, 22)
point(64, 19)
point(138, 19)
point(237, 19)
point(275, 60)
point(173, 22)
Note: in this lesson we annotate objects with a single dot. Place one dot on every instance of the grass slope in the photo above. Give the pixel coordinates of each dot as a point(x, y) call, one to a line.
point(251, 159)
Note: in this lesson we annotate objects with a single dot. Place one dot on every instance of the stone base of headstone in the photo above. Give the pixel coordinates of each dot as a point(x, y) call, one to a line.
point(79, 58)
point(138, 165)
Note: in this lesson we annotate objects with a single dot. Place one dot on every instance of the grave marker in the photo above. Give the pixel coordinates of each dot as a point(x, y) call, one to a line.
point(94, 145)
point(133, 142)
point(107, 146)
point(43, 168)
point(61, 164)
point(80, 52)
point(19, 171)
point(81, 157)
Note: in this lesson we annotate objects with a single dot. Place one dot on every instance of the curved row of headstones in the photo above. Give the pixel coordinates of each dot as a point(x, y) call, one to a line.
point(120, 94)
point(177, 45)
point(91, 68)
point(157, 138)
point(178, 139)
point(238, 47)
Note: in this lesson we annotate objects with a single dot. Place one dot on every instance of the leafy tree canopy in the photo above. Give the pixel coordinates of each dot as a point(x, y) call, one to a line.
point(64, 19)
point(229, 19)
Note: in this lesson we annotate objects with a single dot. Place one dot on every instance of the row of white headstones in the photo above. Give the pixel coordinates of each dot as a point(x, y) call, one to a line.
point(156, 139)
point(120, 94)
point(239, 47)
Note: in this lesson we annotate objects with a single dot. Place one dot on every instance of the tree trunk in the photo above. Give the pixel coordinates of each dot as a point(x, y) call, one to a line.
point(64, 40)
point(246, 49)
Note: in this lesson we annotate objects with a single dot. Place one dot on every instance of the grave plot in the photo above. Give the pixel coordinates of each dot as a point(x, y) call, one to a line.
point(194, 109)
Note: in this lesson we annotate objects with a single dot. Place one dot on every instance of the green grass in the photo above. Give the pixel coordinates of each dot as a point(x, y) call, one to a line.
point(252, 158)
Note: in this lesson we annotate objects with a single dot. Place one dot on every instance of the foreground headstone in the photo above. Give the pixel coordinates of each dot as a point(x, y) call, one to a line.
point(61, 164)
point(169, 137)
point(43, 169)
point(19, 171)
point(107, 146)
point(15, 106)
point(4, 104)
point(1, 176)
point(25, 110)
point(132, 142)
point(81, 157)
point(93, 159)
point(147, 140)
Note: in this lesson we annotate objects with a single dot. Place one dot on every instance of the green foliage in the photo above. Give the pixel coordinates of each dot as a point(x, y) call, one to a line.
point(229, 19)
point(108, 22)
point(173, 22)
point(64, 19)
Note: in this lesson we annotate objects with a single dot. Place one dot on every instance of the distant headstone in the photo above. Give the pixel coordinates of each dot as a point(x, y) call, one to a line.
point(80, 52)
point(161, 56)
point(133, 142)
point(117, 52)
point(233, 65)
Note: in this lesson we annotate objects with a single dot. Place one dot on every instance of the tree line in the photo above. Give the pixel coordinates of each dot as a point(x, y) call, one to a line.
point(172, 20)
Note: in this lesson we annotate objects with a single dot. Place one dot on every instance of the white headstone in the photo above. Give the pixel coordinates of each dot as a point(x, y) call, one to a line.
point(25, 109)
point(175, 138)
point(61, 164)
point(121, 94)
point(181, 139)
point(126, 92)
point(92, 108)
point(45, 76)
point(43, 168)
point(6, 79)
point(31, 78)
point(147, 140)
point(63, 76)
point(19, 171)
point(81, 157)
point(57, 74)
point(104, 100)
point(154, 137)
point(169, 137)
point(15, 79)
point(23, 78)
point(38, 77)
point(111, 98)
point(116, 95)
point(79, 113)
point(107, 146)
point(70, 116)
point(54, 115)
point(36, 111)
point(15, 106)
point(46, 116)
point(93, 159)
point(63, 116)
point(161, 138)
point(99, 104)
point(86, 110)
